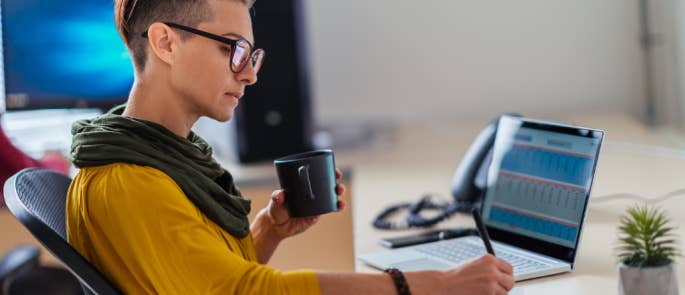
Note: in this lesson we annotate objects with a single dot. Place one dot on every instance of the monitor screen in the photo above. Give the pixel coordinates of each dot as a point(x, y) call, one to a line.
point(275, 118)
point(63, 53)
point(539, 181)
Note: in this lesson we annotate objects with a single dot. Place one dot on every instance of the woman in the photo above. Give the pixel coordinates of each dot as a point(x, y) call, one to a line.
point(154, 212)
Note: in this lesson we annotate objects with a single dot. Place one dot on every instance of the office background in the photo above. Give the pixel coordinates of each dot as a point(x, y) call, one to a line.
point(435, 72)
point(444, 60)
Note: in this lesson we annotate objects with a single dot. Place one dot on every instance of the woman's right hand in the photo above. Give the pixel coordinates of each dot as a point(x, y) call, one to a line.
point(487, 275)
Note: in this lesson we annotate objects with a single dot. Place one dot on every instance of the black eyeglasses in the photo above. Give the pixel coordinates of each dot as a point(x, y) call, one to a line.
point(241, 51)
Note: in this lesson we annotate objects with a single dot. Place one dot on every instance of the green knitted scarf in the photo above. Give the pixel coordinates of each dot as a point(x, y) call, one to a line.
point(114, 138)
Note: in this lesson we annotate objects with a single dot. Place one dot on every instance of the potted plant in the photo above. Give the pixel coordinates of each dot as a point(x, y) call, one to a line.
point(647, 250)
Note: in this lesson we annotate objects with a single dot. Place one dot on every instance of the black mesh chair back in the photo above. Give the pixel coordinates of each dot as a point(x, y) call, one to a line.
point(37, 198)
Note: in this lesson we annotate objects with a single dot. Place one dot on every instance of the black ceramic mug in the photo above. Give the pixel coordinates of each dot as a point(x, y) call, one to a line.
point(308, 180)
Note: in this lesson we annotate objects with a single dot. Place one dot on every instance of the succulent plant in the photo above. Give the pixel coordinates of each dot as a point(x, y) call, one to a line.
point(646, 237)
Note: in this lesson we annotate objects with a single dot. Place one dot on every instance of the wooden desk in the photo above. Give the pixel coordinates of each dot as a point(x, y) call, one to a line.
point(422, 159)
point(13, 234)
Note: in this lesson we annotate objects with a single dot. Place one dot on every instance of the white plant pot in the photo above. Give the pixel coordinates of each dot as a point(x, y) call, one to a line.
point(659, 280)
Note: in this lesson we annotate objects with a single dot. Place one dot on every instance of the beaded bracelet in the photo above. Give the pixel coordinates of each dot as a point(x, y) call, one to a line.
point(399, 280)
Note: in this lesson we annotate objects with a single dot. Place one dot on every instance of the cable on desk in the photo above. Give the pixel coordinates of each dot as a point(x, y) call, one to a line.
point(413, 216)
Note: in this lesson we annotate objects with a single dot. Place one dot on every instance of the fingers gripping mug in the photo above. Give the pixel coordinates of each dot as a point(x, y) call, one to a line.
point(308, 180)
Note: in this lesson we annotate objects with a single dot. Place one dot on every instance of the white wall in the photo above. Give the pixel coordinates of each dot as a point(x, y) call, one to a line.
point(666, 59)
point(680, 61)
point(407, 60)
point(678, 45)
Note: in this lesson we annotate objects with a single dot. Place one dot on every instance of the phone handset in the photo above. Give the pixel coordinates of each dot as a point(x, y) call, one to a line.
point(470, 178)
point(468, 186)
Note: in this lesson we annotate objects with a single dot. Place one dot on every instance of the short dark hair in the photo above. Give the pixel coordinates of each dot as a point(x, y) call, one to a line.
point(133, 17)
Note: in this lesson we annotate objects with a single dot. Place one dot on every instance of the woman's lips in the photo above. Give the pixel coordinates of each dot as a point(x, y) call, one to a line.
point(235, 95)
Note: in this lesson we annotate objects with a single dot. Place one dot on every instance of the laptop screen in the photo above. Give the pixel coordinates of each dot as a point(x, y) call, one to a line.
point(539, 183)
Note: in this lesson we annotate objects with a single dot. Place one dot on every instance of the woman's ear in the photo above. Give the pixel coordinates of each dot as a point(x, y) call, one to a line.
point(162, 41)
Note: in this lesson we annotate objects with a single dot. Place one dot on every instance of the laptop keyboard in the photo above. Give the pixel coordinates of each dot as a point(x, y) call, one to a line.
point(461, 250)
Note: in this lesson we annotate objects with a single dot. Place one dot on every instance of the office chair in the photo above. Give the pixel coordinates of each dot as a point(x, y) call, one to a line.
point(22, 273)
point(37, 198)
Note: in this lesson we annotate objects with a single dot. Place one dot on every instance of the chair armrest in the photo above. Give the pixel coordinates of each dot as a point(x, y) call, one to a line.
point(18, 260)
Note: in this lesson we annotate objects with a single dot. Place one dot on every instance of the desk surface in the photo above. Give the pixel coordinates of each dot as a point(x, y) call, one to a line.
point(421, 159)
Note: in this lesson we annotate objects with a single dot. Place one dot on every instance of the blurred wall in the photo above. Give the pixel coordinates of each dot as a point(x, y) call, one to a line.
point(680, 60)
point(661, 17)
point(402, 60)
point(667, 54)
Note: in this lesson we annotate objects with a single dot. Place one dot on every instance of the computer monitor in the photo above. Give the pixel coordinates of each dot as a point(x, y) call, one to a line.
point(275, 118)
point(63, 54)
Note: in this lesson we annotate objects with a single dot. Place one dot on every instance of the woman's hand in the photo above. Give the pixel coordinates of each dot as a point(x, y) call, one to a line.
point(284, 226)
point(486, 275)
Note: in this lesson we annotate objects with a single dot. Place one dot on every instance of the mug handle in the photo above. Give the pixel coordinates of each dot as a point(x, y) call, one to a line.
point(303, 173)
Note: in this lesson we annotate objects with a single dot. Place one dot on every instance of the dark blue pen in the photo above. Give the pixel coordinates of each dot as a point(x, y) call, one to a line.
point(483, 232)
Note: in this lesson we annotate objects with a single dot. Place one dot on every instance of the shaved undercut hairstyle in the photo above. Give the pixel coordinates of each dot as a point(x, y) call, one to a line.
point(133, 17)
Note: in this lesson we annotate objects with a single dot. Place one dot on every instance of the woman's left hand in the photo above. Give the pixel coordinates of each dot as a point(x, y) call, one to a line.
point(283, 225)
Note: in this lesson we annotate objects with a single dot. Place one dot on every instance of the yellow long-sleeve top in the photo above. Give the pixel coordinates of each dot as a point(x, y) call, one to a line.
point(136, 225)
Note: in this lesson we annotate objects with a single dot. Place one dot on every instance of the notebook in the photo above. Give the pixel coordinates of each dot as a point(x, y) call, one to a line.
point(534, 205)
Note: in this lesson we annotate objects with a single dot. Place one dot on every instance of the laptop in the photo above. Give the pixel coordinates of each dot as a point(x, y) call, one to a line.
point(534, 205)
